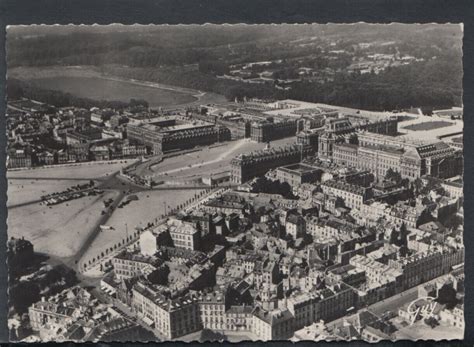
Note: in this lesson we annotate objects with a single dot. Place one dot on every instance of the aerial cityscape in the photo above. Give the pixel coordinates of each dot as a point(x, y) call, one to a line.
point(235, 182)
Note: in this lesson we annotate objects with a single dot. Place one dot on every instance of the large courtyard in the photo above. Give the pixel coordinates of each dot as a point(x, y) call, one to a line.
point(205, 161)
point(427, 128)
point(428, 125)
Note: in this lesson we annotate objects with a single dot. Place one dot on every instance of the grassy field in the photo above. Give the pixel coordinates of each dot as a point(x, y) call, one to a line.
point(428, 125)
point(137, 214)
point(58, 230)
point(98, 88)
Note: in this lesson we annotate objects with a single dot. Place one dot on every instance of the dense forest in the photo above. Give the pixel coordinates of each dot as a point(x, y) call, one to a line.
point(165, 53)
point(147, 46)
point(432, 85)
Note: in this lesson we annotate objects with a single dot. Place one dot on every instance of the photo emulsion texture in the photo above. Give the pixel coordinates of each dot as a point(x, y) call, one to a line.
point(235, 182)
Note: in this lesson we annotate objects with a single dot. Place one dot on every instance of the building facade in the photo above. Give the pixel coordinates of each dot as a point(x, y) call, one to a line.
point(270, 131)
point(297, 174)
point(353, 196)
point(171, 318)
point(247, 166)
point(170, 134)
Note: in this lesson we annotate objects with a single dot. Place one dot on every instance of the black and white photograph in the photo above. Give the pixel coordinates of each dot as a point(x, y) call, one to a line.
point(235, 182)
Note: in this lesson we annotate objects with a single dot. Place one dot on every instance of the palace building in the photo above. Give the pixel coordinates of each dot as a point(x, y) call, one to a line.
point(268, 131)
point(379, 153)
point(174, 134)
point(247, 166)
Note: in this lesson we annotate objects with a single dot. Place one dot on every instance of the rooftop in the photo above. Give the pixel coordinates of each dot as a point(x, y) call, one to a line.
point(345, 186)
point(299, 168)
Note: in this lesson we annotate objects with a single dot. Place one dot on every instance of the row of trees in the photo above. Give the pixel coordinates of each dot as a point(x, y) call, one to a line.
point(110, 250)
point(135, 235)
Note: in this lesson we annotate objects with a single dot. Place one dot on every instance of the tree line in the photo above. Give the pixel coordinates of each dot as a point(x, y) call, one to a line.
point(434, 84)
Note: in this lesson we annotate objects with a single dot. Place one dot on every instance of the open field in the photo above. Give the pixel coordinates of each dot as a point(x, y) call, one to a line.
point(429, 128)
point(22, 191)
point(58, 230)
point(428, 125)
point(302, 105)
point(207, 160)
point(87, 170)
point(98, 88)
point(137, 214)
point(95, 83)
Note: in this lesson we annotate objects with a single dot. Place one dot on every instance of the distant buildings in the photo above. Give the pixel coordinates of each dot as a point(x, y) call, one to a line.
point(18, 159)
point(343, 130)
point(308, 138)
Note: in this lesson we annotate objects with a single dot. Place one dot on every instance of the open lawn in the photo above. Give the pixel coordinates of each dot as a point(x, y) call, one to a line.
point(22, 191)
point(428, 125)
point(99, 88)
point(424, 128)
point(58, 230)
point(157, 94)
point(149, 206)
